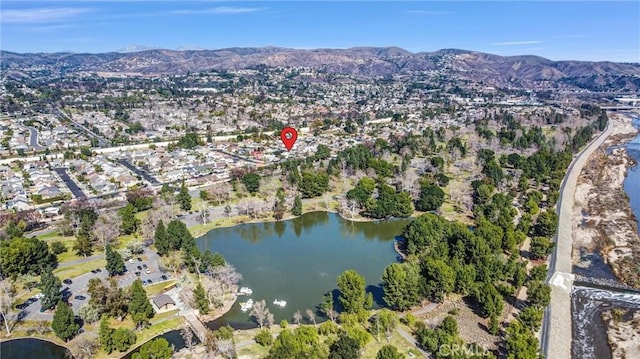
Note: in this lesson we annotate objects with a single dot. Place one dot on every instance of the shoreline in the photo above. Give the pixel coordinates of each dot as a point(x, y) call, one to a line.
point(603, 220)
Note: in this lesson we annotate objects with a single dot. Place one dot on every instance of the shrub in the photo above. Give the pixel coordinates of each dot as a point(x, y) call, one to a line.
point(264, 338)
point(58, 247)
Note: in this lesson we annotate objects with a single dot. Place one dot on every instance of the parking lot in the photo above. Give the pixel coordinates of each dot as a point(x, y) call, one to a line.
point(75, 289)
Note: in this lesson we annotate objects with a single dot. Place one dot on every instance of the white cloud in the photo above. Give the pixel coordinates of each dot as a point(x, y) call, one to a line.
point(517, 43)
point(218, 10)
point(41, 15)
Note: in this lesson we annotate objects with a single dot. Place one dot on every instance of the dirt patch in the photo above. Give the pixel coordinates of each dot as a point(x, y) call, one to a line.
point(623, 335)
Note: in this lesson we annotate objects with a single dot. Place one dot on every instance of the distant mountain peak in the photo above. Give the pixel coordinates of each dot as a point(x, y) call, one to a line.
point(137, 48)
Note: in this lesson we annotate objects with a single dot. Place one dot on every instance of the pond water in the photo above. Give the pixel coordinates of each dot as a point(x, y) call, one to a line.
point(31, 348)
point(298, 260)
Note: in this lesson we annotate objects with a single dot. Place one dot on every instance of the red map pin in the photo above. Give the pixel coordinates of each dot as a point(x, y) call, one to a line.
point(289, 135)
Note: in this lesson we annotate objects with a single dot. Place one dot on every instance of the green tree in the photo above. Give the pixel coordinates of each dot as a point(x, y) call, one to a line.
point(25, 256)
point(344, 348)
point(251, 181)
point(296, 210)
point(385, 322)
point(546, 224)
point(322, 152)
point(541, 247)
point(50, 286)
point(431, 197)
point(490, 299)
point(439, 279)
point(161, 239)
point(83, 246)
point(389, 352)
point(139, 306)
point(179, 236)
point(202, 303)
point(129, 222)
point(123, 339)
point(538, 294)
point(63, 323)
point(531, 318)
point(401, 284)
point(105, 334)
point(521, 343)
point(313, 184)
point(154, 349)
point(115, 263)
point(184, 198)
point(352, 291)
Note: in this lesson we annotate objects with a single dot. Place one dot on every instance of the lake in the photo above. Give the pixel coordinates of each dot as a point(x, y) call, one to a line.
point(31, 348)
point(298, 260)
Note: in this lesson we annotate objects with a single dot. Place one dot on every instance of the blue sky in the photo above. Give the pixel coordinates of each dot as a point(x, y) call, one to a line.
point(575, 30)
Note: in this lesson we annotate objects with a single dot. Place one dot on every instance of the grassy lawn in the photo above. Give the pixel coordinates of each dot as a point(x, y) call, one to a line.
point(81, 268)
point(372, 348)
point(157, 288)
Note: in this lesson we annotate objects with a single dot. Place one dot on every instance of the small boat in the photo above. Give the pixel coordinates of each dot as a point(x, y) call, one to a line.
point(244, 306)
point(245, 290)
point(280, 303)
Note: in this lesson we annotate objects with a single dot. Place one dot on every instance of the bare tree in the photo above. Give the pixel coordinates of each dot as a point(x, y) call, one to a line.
point(312, 316)
point(227, 274)
point(187, 335)
point(260, 312)
point(332, 314)
point(203, 212)
point(243, 206)
point(227, 348)
point(227, 211)
point(270, 320)
point(297, 317)
point(349, 207)
point(220, 192)
point(84, 346)
point(7, 296)
point(107, 228)
point(173, 262)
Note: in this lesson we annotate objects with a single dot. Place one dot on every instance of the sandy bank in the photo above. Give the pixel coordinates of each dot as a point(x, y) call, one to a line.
point(602, 218)
point(623, 335)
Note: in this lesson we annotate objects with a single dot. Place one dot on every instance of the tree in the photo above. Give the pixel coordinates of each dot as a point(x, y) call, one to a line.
point(297, 317)
point(129, 222)
point(184, 198)
point(84, 346)
point(538, 294)
point(252, 182)
point(139, 306)
point(296, 210)
point(82, 246)
point(63, 323)
point(106, 229)
point(431, 197)
point(439, 279)
point(89, 313)
point(311, 315)
point(541, 247)
point(389, 352)
point(313, 184)
point(154, 349)
point(531, 318)
point(50, 286)
point(546, 224)
point(25, 256)
point(105, 334)
point(179, 236)
point(385, 322)
point(521, 343)
point(202, 303)
point(344, 348)
point(352, 291)
point(489, 299)
point(115, 263)
point(327, 306)
point(401, 284)
point(260, 312)
point(161, 240)
point(7, 297)
point(123, 338)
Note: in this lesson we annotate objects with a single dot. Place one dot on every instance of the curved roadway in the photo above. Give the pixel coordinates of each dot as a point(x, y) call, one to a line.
point(556, 336)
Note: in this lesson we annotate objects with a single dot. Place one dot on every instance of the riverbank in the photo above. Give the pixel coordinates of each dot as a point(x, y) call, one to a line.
point(623, 333)
point(602, 217)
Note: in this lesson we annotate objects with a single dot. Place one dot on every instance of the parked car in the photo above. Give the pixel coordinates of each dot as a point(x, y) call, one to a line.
point(144, 266)
point(67, 281)
point(131, 260)
point(139, 268)
point(148, 271)
point(39, 296)
point(79, 297)
point(137, 274)
point(164, 277)
point(139, 259)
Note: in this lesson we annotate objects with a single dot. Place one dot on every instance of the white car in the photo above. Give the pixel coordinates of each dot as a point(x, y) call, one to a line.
point(148, 271)
point(131, 260)
point(39, 296)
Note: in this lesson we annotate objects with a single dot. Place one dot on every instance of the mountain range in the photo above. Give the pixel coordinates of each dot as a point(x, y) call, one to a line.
point(358, 61)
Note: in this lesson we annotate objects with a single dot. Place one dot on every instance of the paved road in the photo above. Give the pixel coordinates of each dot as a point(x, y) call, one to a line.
point(73, 187)
point(33, 138)
point(555, 338)
point(140, 172)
